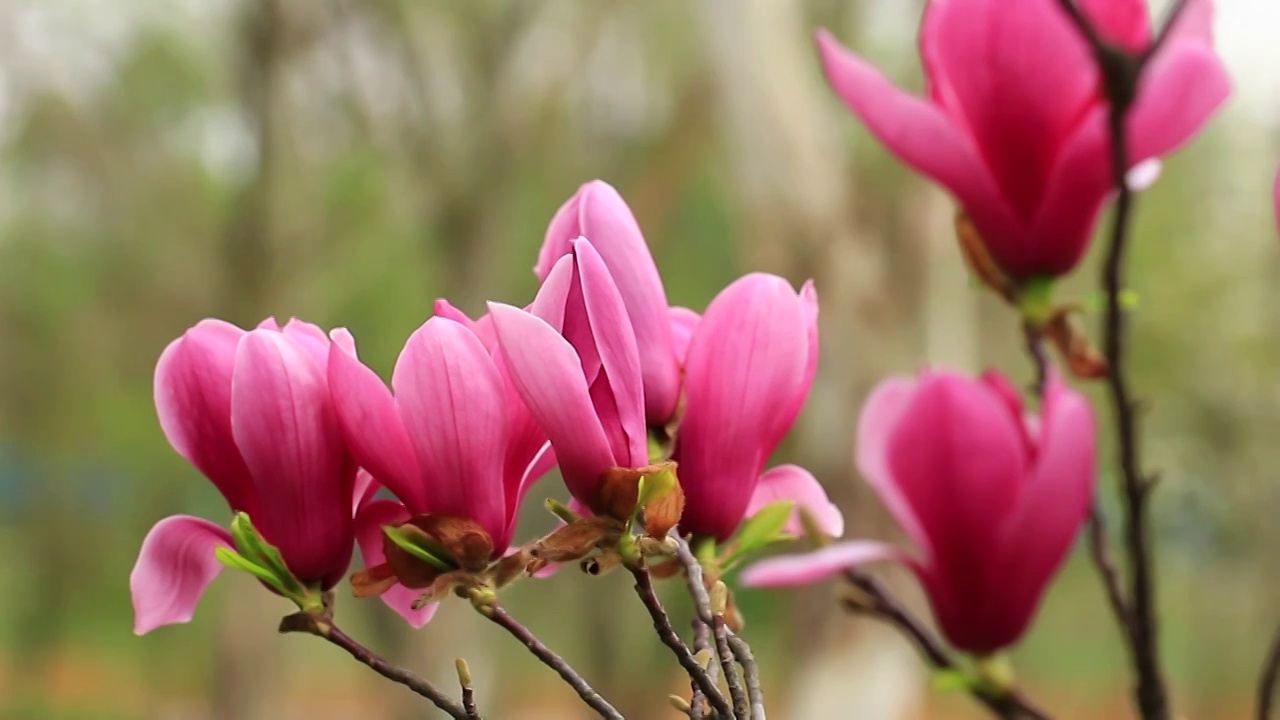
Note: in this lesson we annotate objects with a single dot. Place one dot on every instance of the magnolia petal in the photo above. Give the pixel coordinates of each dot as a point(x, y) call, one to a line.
point(1179, 92)
point(546, 372)
point(921, 134)
point(174, 567)
point(615, 341)
point(373, 429)
point(957, 457)
point(741, 368)
point(1123, 22)
point(881, 414)
point(193, 402)
point(790, 570)
point(453, 403)
point(792, 482)
point(1056, 500)
point(683, 324)
point(598, 213)
point(283, 422)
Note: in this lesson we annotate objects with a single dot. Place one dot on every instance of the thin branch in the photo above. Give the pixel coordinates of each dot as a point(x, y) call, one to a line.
point(1121, 72)
point(303, 622)
point(741, 706)
point(880, 603)
point(1267, 683)
point(503, 619)
point(1100, 553)
point(702, 606)
point(750, 672)
point(1034, 339)
point(701, 641)
point(667, 633)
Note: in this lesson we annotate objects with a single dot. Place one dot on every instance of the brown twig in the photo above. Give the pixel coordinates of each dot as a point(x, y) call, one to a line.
point(1100, 553)
point(701, 641)
point(741, 705)
point(1267, 682)
point(1034, 339)
point(667, 633)
point(702, 606)
point(879, 603)
point(495, 612)
point(304, 622)
point(1121, 72)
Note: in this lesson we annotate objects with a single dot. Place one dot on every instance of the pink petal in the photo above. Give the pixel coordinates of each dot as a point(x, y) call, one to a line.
point(1123, 22)
point(792, 482)
point(363, 490)
point(786, 416)
point(546, 372)
point(599, 213)
point(742, 367)
point(956, 456)
point(1037, 536)
point(174, 567)
point(193, 401)
point(373, 429)
point(453, 403)
point(879, 420)
point(1181, 89)
point(481, 327)
point(1018, 76)
point(553, 295)
point(922, 135)
point(284, 424)
point(311, 338)
point(683, 323)
point(368, 528)
point(615, 341)
point(790, 570)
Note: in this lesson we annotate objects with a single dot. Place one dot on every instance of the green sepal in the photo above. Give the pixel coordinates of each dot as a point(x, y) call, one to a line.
point(1035, 299)
point(253, 548)
point(236, 561)
point(561, 510)
point(420, 547)
point(655, 486)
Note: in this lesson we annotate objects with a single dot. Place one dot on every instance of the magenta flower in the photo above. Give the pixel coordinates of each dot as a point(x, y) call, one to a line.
point(751, 360)
point(251, 410)
point(454, 440)
point(992, 498)
point(598, 213)
point(1014, 122)
point(572, 357)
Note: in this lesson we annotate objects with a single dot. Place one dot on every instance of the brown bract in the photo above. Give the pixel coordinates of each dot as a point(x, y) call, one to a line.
point(459, 541)
point(1074, 345)
point(575, 540)
point(662, 514)
point(980, 261)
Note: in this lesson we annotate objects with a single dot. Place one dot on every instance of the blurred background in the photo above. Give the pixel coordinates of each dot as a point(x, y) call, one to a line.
point(348, 161)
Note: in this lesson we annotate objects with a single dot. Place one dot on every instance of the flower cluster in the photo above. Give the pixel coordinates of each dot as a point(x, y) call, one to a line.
point(663, 420)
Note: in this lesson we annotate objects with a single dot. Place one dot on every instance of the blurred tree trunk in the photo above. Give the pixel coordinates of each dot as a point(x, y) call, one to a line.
point(785, 147)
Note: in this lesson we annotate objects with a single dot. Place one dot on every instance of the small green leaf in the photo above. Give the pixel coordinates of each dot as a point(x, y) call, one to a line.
point(417, 545)
point(236, 561)
point(763, 527)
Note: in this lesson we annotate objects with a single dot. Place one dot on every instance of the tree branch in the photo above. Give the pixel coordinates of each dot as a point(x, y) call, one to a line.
point(495, 612)
point(305, 622)
point(667, 633)
point(1121, 72)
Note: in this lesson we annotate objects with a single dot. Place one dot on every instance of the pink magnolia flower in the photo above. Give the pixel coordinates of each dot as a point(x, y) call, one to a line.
point(751, 360)
point(251, 410)
point(598, 213)
point(1014, 123)
point(992, 497)
point(572, 357)
point(453, 440)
